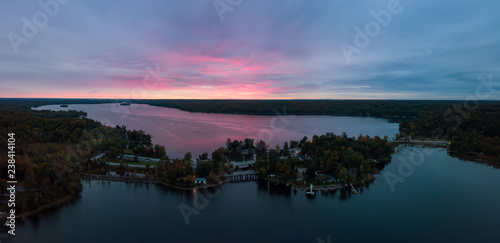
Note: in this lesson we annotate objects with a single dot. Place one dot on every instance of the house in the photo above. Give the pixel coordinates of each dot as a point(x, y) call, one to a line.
point(300, 177)
point(301, 170)
point(319, 172)
point(326, 178)
point(242, 167)
point(200, 181)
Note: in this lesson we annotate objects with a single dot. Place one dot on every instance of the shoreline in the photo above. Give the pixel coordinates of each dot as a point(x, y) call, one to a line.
point(49, 206)
point(157, 181)
point(473, 157)
point(476, 158)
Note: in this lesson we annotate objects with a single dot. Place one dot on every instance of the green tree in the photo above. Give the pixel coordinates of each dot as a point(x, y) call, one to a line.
point(203, 156)
point(273, 160)
point(203, 168)
point(159, 151)
point(188, 156)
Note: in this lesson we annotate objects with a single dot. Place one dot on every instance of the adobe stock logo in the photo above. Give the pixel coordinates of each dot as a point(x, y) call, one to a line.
point(372, 29)
point(221, 7)
point(40, 19)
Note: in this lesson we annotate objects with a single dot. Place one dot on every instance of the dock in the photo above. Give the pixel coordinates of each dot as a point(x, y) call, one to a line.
point(242, 176)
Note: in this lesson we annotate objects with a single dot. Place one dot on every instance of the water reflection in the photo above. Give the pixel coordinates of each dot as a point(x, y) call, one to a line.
point(202, 132)
point(274, 189)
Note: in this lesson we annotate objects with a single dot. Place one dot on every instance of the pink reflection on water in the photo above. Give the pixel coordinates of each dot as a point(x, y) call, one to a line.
point(182, 132)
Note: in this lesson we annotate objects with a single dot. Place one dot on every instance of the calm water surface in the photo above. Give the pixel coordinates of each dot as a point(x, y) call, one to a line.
point(197, 133)
point(444, 200)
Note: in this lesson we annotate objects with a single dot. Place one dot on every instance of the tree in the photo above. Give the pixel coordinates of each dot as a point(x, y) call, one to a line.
point(303, 141)
point(160, 151)
point(203, 156)
point(273, 159)
point(331, 165)
point(203, 168)
point(218, 159)
point(248, 143)
point(311, 172)
point(188, 156)
point(261, 161)
point(260, 147)
point(344, 175)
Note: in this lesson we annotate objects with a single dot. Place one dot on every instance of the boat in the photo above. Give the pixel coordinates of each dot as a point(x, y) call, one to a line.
point(310, 192)
point(125, 103)
point(353, 190)
point(64, 105)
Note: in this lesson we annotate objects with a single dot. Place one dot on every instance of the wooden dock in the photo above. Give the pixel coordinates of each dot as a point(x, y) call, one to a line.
point(242, 176)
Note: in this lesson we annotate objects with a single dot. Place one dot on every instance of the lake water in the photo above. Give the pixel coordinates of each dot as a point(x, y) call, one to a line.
point(443, 199)
point(182, 132)
point(423, 195)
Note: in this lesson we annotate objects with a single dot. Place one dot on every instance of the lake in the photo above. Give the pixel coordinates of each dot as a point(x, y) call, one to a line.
point(444, 199)
point(423, 195)
point(182, 132)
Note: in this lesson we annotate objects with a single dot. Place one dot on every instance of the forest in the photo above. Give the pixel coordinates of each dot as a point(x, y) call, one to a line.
point(46, 155)
point(395, 110)
point(51, 148)
point(471, 130)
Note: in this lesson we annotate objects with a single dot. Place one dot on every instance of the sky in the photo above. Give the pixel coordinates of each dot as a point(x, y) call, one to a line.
point(250, 49)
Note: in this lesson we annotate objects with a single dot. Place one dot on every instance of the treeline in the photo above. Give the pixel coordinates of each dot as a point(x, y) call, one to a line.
point(396, 110)
point(28, 103)
point(470, 129)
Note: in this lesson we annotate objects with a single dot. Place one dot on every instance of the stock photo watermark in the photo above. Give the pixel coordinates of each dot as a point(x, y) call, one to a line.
point(373, 28)
point(202, 198)
point(30, 27)
point(276, 124)
point(200, 202)
point(328, 239)
point(153, 79)
point(416, 158)
point(223, 6)
point(11, 183)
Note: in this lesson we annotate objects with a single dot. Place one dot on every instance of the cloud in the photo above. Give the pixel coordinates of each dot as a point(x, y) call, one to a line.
point(262, 50)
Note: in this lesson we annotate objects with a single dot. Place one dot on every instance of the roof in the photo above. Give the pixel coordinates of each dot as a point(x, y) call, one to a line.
point(329, 177)
point(200, 179)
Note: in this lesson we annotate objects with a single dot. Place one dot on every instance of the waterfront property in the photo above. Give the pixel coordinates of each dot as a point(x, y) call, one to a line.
point(240, 176)
point(200, 181)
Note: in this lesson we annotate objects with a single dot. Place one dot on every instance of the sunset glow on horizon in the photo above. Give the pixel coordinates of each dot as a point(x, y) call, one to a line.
point(260, 50)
